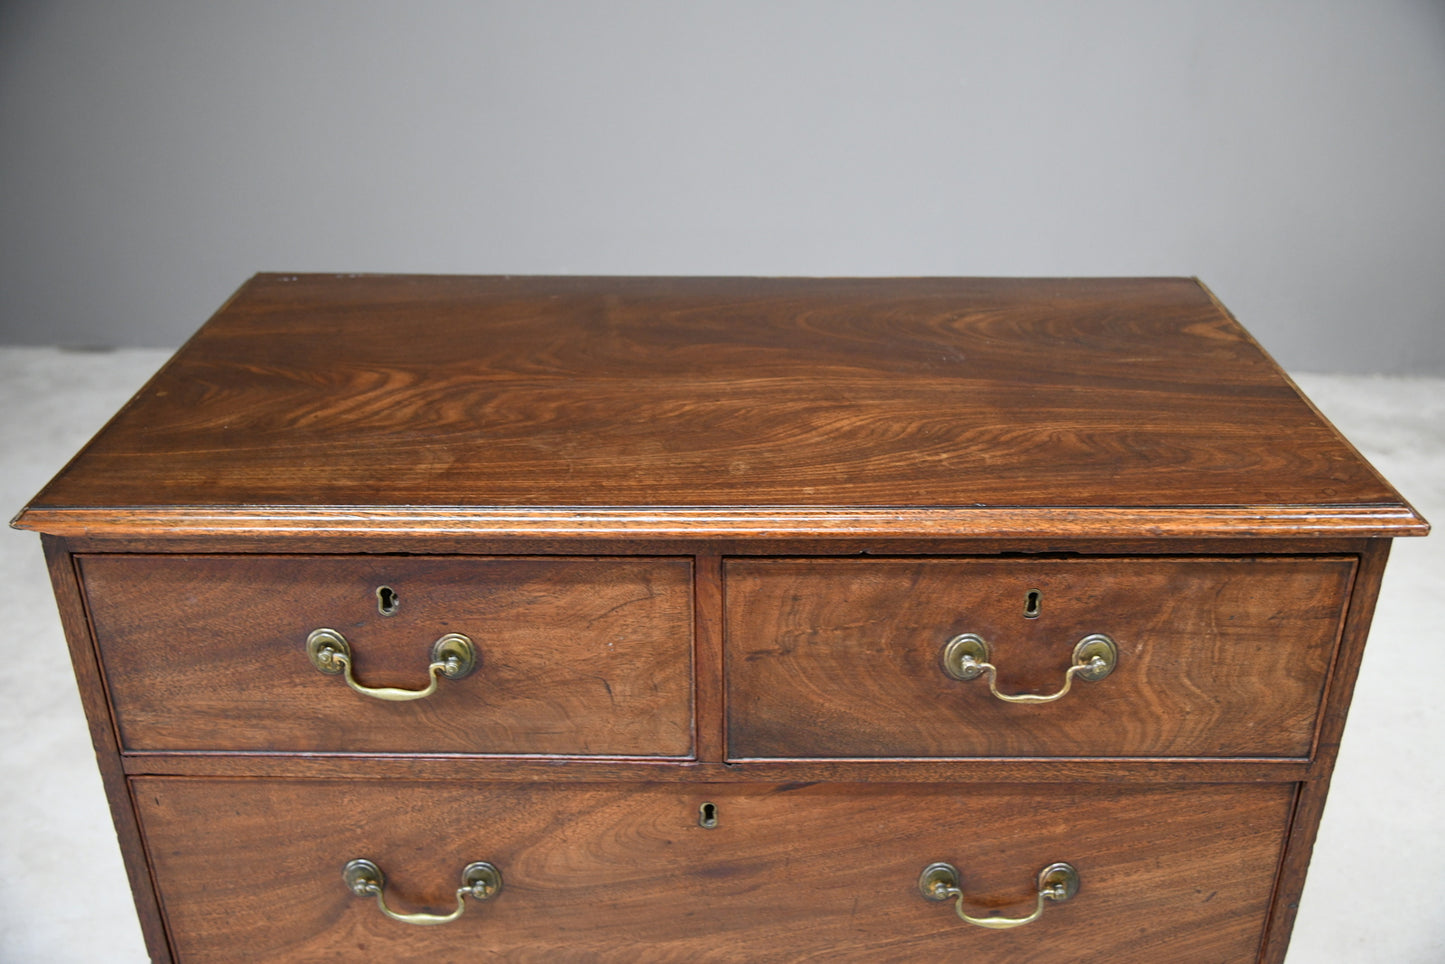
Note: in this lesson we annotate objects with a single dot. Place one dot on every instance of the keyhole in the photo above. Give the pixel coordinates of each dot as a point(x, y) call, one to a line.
point(707, 816)
point(1032, 599)
point(387, 600)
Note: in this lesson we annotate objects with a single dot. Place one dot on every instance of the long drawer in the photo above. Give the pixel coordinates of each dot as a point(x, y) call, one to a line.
point(584, 656)
point(253, 870)
point(1211, 657)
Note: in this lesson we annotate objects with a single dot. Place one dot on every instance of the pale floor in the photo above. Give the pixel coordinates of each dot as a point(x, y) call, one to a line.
point(1373, 893)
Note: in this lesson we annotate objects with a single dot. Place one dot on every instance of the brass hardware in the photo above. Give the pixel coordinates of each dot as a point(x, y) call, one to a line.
point(707, 816)
point(387, 600)
point(1033, 601)
point(1057, 882)
point(966, 657)
point(452, 656)
point(480, 881)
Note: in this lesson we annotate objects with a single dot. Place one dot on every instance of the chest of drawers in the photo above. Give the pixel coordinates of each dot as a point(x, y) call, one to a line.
point(429, 618)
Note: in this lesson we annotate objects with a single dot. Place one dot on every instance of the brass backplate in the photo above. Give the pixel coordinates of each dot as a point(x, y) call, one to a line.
point(482, 879)
point(938, 881)
point(321, 648)
point(360, 874)
point(1096, 645)
point(455, 646)
point(963, 655)
point(1059, 881)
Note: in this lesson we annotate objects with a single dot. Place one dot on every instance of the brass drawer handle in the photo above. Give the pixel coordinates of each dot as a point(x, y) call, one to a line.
point(966, 657)
point(480, 881)
point(452, 656)
point(1057, 882)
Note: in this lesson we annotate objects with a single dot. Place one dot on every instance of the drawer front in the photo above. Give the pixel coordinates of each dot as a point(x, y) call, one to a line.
point(624, 873)
point(846, 658)
point(574, 656)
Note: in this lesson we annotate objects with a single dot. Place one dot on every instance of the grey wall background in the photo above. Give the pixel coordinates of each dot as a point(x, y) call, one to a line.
point(1291, 154)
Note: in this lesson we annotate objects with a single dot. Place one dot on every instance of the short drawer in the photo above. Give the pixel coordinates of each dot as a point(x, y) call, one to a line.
point(625, 873)
point(573, 656)
point(1216, 657)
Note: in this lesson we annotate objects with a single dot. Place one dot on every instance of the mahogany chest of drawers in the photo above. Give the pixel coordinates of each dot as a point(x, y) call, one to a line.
point(432, 618)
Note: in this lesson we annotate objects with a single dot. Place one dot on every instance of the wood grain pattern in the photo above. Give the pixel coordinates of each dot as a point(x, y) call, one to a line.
point(322, 394)
point(641, 496)
point(624, 873)
point(578, 656)
point(841, 658)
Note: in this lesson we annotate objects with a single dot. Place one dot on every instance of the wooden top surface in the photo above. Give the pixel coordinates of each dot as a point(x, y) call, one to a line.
point(739, 405)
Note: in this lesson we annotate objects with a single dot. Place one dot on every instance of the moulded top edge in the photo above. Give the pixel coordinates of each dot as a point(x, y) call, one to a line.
point(1116, 522)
